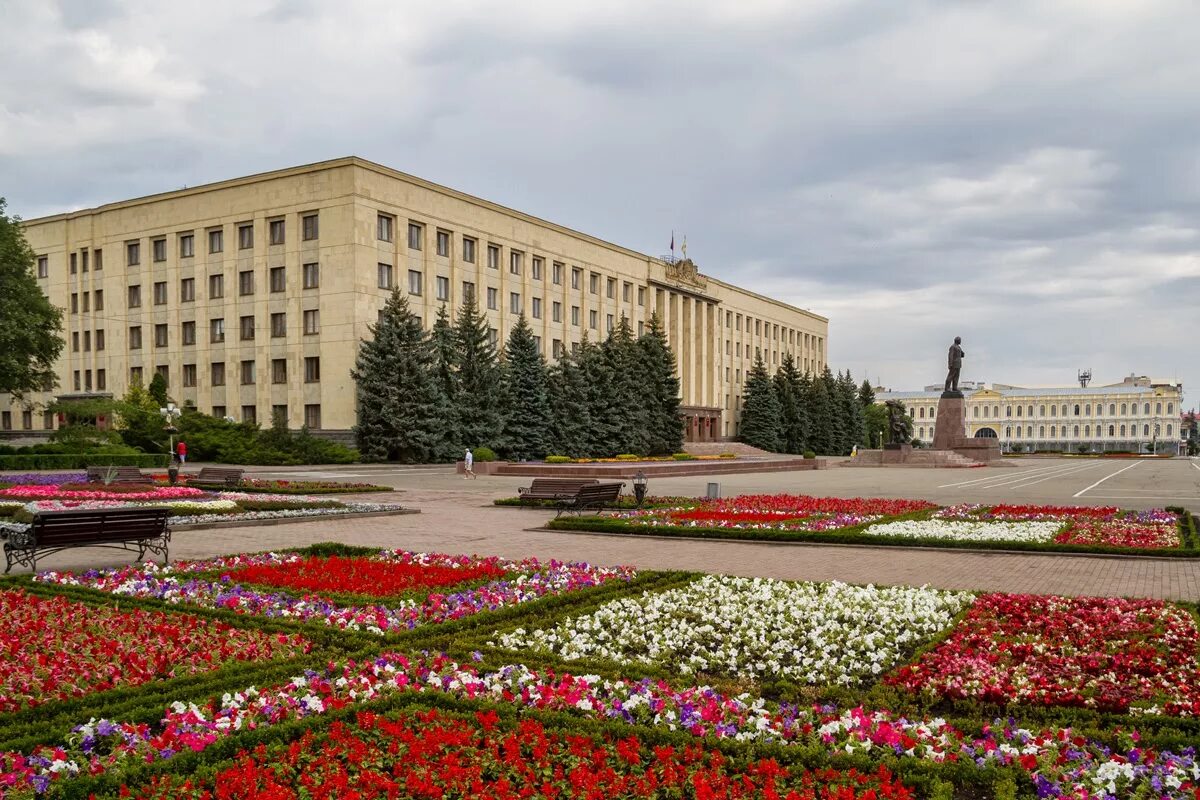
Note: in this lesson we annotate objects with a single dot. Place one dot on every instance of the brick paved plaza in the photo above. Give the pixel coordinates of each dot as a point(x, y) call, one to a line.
point(458, 517)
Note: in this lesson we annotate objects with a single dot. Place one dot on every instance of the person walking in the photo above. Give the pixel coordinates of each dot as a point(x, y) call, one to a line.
point(469, 465)
point(181, 451)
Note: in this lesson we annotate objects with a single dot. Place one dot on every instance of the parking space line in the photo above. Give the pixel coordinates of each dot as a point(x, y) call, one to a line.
point(1106, 477)
point(1001, 481)
point(1000, 477)
point(1043, 479)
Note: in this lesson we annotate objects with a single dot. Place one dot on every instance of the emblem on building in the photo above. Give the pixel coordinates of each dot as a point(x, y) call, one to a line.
point(685, 271)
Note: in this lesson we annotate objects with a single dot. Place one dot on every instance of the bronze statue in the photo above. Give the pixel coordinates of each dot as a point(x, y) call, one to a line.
point(899, 423)
point(954, 362)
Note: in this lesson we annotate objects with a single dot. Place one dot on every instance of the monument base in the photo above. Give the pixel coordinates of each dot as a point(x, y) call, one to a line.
point(950, 432)
point(896, 453)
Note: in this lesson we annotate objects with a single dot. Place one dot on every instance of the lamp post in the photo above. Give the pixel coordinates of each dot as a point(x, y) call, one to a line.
point(639, 487)
point(170, 414)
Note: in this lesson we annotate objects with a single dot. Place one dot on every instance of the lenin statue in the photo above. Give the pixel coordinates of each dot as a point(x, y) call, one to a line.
point(954, 362)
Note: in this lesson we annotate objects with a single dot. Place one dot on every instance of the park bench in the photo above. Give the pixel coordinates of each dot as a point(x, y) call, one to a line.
point(592, 497)
point(554, 488)
point(145, 529)
point(219, 476)
point(116, 475)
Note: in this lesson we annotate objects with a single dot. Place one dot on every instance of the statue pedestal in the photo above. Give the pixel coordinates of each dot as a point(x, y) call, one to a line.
point(896, 453)
point(950, 432)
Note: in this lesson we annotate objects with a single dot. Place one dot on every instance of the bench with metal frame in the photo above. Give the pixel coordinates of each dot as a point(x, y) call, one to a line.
point(593, 497)
point(141, 529)
point(219, 476)
point(554, 488)
point(116, 475)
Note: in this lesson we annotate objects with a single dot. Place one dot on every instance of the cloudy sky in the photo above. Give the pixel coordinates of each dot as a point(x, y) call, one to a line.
point(1023, 174)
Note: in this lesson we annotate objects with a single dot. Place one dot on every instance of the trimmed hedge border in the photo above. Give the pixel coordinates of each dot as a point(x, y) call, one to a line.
point(854, 535)
point(82, 461)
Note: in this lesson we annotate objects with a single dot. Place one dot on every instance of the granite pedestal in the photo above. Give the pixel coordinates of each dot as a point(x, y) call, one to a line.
point(950, 431)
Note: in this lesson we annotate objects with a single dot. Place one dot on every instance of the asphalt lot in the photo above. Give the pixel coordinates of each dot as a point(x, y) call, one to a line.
point(1129, 483)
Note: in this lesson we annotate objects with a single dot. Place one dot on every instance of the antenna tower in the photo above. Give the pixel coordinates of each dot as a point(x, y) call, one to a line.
point(1085, 377)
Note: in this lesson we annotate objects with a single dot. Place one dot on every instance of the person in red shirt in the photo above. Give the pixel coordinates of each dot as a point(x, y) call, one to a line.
point(181, 451)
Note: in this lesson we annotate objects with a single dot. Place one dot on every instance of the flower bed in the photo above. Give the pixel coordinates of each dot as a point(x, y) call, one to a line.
point(256, 485)
point(775, 512)
point(182, 583)
point(42, 478)
point(1103, 653)
point(755, 628)
point(57, 648)
point(375, 577)
point(968, 531)
point(1084, 526)
point(54, 492)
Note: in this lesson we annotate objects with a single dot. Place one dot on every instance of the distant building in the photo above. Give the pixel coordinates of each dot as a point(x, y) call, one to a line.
point(1135, 415)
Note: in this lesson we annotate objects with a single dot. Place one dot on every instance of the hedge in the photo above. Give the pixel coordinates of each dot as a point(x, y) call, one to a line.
point(82, 461)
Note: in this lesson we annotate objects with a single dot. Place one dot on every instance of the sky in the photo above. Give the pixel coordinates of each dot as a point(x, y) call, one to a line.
point(1025, 175)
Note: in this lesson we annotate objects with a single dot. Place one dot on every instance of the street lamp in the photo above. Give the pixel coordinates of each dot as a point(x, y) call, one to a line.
point(639, 487)
point(170, 414)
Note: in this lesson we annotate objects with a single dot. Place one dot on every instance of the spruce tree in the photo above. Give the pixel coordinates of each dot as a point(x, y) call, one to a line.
point(852, 412)
point(629, 417)
point(834, 419)
point(761, 418)
point(793, 417)
point(402, 413)
point(595, 376)
point(866, 394)
point(478, 406)
point(570, 422)
point(441, 339)
point(527, 425)
point(820, 409)
point(660, 387)
point(804, 397)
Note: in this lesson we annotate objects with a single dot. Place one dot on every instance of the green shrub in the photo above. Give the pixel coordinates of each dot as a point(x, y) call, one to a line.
point(485, 454)
point(628, 457)
point(683, 457)
point(212, 439)
point(82, 460)
point(727, 455)
point(809, 454)
point(558, 459)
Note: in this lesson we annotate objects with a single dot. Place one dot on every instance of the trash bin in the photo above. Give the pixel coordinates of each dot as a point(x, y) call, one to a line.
point(714, 491)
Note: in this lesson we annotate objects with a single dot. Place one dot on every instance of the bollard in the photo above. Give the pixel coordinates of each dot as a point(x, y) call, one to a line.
point(714, 491)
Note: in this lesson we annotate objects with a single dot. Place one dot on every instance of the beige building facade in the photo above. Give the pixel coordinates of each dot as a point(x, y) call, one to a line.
point(1135, 415)
point(251, 295)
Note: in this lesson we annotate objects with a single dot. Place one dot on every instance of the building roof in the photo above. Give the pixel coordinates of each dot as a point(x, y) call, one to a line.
point(1079, 391)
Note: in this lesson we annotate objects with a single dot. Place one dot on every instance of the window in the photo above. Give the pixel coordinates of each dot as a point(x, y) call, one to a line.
point(6, 416)
point(493, 335)
point(493, 298)
point(216, 330)
point(277, 278)
point(593, 318)
point(278, 325)
point(99, 338)
point(415, 233)
point(1146, 411)
point(383, 228)
point(537, 343)
point(312, 276)
point(556, 311)
point(312, 416)
point(75, 342)
point(594, 283)
point(245, 237)
point(576, 277)
point(515, 258)
point(74, 266)
point(278, 370)
point(575, 316)
point(158, 249)
point(135, 296)
point(414, 281)
point(160, 293)
point(247, 372)
point(468, 250)
point(556, 273)
point(188, 332)
point(385, 276)
point(312, 322)
point(246, 282)
point(74, 303)
point(279, 415)
point(216, 286)
point(611, 288)
point(1077, 409)
point(468, 290)
point(443, 244)
point(312, 369)
point(308, 226)
point(1168, 428)
point(1170, 406)
point(246, 328)
point(249, 414)
point(537, 307)
point(535, 268)
point(493, 256)
point(74, 382)
point(187, 290)
point(608, 323)
point(1124, 409)
point(101, 381)
point(98, 259)
point(443, 288)
point(189, 375)
point(217, 373)
point(275, 231)
point(1158, 408)
point(627, 292)
point(219, 412)
point(187, 245)
point(556, 348)
point(216, 241)
point(133, 255)
point(514, 302)
point(160, 335)
point(43, 263)
point(135, 337)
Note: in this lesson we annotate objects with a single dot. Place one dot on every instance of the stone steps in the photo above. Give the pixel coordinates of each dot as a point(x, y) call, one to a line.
point(716, 448)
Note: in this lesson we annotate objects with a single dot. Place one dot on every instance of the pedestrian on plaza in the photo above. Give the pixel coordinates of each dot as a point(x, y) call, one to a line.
point(468, 465)
point(181, 451)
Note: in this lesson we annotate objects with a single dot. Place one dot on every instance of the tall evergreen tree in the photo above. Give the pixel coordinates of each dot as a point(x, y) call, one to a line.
point(445, 367)
point(793, 416)
point(628, 415)
point(30, 327)
point(852, 412)
point(761, 416)
point(820, 409)
point(660, 385)
point(804, 398)
point(527, 424)
point(866, 394)
point(402, 413)
point(834, 417)
point(478, 406)
point(594, 373)
point(571, 421)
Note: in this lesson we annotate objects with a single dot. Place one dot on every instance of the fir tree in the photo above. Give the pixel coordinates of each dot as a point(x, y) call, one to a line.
point(804, 398)
point(761, 418)
point(866, 394)
point(527, 427)
point(628, 415)
point(660, 386)
point(834, 418)
point(446, 371)
point(402, 413)
point(820, 411)
point(793, 416)
point(570, 423)
point(478, 406)
point(852, 412)
point(593, 368)
point(158, 389)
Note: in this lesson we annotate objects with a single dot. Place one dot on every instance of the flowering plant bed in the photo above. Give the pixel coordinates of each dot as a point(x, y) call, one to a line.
point(775, 512)
point(367, 576)
point(41, 478)
point(99, 492)
point(287, 486)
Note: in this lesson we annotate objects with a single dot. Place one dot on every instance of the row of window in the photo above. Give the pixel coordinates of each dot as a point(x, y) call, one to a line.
point(276, 235)
point(276, 281)
point(216, 330)
point(6, 420)
point(1114, 431)
point(247, 372)
point(1085, 410)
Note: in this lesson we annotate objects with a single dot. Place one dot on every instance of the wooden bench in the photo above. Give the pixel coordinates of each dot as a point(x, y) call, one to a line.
point(116, 475)
point(593, 497)
point(219, 476)
point(554, 488)
point(145, 529)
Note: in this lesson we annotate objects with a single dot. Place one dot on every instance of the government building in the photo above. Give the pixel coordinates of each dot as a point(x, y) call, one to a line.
point(250, 296)
point(1136, 415)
